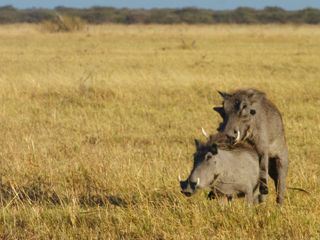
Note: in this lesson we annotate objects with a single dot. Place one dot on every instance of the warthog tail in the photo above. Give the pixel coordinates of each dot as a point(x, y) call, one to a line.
point(298, 189)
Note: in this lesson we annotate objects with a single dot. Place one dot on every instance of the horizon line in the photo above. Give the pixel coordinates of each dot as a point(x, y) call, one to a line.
point(152, 8)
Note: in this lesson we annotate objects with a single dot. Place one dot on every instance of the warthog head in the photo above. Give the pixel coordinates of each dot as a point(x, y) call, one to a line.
point(239, 113)
point(204, 166)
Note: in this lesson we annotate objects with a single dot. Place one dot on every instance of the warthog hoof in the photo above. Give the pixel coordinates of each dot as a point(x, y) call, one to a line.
point(211, 195)
point(280, 200)
point(263, 186)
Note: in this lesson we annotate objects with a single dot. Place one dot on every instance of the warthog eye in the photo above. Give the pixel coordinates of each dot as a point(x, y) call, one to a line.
point(252, 112)
point(237, 104)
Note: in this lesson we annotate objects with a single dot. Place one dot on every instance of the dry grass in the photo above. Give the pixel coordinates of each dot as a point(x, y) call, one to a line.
point(96, 125)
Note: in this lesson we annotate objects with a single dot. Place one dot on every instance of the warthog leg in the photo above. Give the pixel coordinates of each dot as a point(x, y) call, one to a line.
point(264, 166)
point(278, 171)
point(214, 194)
point(278, 168)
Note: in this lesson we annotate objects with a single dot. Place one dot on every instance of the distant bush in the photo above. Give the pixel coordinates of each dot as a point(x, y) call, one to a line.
point(310, 15)
point(8, 14)
point(273, 15)
point(63, 24)
point(36, 15)
point(73, 18)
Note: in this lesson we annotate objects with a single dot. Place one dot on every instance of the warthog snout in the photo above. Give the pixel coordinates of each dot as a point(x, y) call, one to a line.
point(233, 136)
point(188, 187)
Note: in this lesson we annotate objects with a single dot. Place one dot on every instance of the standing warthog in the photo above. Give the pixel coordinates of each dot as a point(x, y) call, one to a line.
point(249, 116)
point(227, 170)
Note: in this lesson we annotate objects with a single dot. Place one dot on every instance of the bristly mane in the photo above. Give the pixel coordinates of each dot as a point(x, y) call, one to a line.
point(223, 143)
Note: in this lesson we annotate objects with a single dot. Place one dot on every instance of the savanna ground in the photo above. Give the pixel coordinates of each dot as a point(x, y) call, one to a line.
point(96, 126)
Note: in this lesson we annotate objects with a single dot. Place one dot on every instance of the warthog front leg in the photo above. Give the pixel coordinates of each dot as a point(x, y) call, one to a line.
point(214, 194)
point(211, 195)
point(264, 166)
point(249, 195)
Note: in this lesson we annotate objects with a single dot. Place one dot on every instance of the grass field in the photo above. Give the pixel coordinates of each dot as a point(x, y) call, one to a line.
point(96, 126)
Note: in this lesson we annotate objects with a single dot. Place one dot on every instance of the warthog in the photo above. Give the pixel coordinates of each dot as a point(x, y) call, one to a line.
point(226, 169)
point(249, 116)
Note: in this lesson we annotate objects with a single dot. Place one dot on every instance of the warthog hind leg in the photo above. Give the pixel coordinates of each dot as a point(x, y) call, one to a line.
point(278, 168)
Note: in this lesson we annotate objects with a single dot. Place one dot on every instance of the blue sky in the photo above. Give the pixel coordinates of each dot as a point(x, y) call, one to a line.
point(213, 4)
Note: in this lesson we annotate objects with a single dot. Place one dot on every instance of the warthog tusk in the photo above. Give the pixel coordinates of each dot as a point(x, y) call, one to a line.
point(204, 133)
point(198, 182)
point(248, 133)
point(238, 136)
point(179, 178)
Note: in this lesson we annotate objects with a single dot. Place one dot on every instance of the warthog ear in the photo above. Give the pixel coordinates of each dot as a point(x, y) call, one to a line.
point(224, 95)
point(214, 149)
point(255, 95)
point(220, 110)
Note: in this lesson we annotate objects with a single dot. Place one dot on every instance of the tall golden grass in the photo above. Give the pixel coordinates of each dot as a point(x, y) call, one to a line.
point(96, 125)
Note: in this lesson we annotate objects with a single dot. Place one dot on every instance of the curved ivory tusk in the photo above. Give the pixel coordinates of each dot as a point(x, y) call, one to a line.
point(238, 136)
point(198, 182)
point(179, 178)
point(204, 133)
point(248, 133)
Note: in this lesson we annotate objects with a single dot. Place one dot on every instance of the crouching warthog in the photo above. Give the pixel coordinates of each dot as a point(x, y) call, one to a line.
point(249, 116)
point(225, 169)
